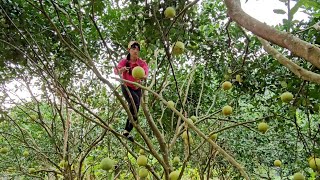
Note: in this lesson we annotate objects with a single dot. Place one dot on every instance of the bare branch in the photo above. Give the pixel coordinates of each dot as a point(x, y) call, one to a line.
point(297, 70)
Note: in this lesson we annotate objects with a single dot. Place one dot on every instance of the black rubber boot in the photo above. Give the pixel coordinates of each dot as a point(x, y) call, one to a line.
point(129, 137)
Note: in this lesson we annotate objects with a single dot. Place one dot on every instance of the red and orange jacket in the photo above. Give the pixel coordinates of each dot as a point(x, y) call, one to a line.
point(126, 75)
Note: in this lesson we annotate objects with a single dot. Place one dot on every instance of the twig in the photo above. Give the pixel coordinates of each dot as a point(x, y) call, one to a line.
point(245, 52)
point(199, 133)
point(180, 13)
point(228, 34)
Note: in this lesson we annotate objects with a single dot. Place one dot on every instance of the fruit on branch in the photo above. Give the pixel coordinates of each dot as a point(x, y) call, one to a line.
point(138, 72)
point(227, 110)
point(314, 163)
point(214, 137)
point(194, 118)
point(170, 104)
point(25, 153)
point(298, 176)
point(185, 135)
point(174, 175)
point(226, 85)
point(286, 97)
point(170, 12)
point(176, 160)
point(178, 48)
point(107, 164)
point(141, 152)
point(4, 150)
point(263, 127)
point(143, 172)
point(142, 160)
point(186, 139)
point(238, 78)
point(32, 170)
point(277, 163)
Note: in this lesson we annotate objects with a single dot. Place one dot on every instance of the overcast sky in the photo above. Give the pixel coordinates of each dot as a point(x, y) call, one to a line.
point(263, 10)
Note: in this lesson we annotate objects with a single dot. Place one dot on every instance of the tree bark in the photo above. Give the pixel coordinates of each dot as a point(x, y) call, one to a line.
point(303, 49)
point(297, 70)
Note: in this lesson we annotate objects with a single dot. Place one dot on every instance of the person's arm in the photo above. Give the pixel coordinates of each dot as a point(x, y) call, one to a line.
point(146, 69)
point(121, 67)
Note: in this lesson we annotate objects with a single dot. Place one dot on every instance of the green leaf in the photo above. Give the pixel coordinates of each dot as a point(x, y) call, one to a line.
point(316, 15)
point(311, 3)
point(285, 21)
point(283, 84)
point(295, 8)
point(279, 11)
point(295, 21)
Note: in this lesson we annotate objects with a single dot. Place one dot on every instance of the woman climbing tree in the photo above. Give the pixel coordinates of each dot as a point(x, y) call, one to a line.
point(125, 68)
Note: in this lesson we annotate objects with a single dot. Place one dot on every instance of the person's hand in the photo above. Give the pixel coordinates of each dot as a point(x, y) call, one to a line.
point(123, 69)
point(144, 77)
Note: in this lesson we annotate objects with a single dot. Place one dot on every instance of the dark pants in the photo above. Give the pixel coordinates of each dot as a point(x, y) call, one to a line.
point(136, 96)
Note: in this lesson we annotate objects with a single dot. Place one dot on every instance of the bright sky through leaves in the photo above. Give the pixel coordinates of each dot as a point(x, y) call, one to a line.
point(260, 9)
point(263, 11)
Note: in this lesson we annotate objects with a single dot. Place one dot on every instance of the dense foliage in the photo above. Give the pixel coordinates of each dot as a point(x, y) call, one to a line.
point(62, 111)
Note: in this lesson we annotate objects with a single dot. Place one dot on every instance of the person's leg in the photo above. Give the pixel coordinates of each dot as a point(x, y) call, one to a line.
point(137, 99)
point(134, 108)
point(126, 95)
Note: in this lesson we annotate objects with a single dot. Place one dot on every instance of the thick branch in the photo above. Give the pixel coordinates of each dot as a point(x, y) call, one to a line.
point(297, 70)
point(158, 135)
point(199, 133)
point(297, 46)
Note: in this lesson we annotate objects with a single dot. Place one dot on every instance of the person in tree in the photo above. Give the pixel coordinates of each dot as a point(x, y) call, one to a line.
point(124, 69)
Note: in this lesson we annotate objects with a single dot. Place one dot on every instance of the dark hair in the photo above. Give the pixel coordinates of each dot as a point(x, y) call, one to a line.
point(134, 45)
point(128, 64)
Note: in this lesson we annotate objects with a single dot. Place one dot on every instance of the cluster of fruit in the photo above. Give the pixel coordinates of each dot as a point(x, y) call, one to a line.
point(286, 97)
point(263, 126)
point(142, 161)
